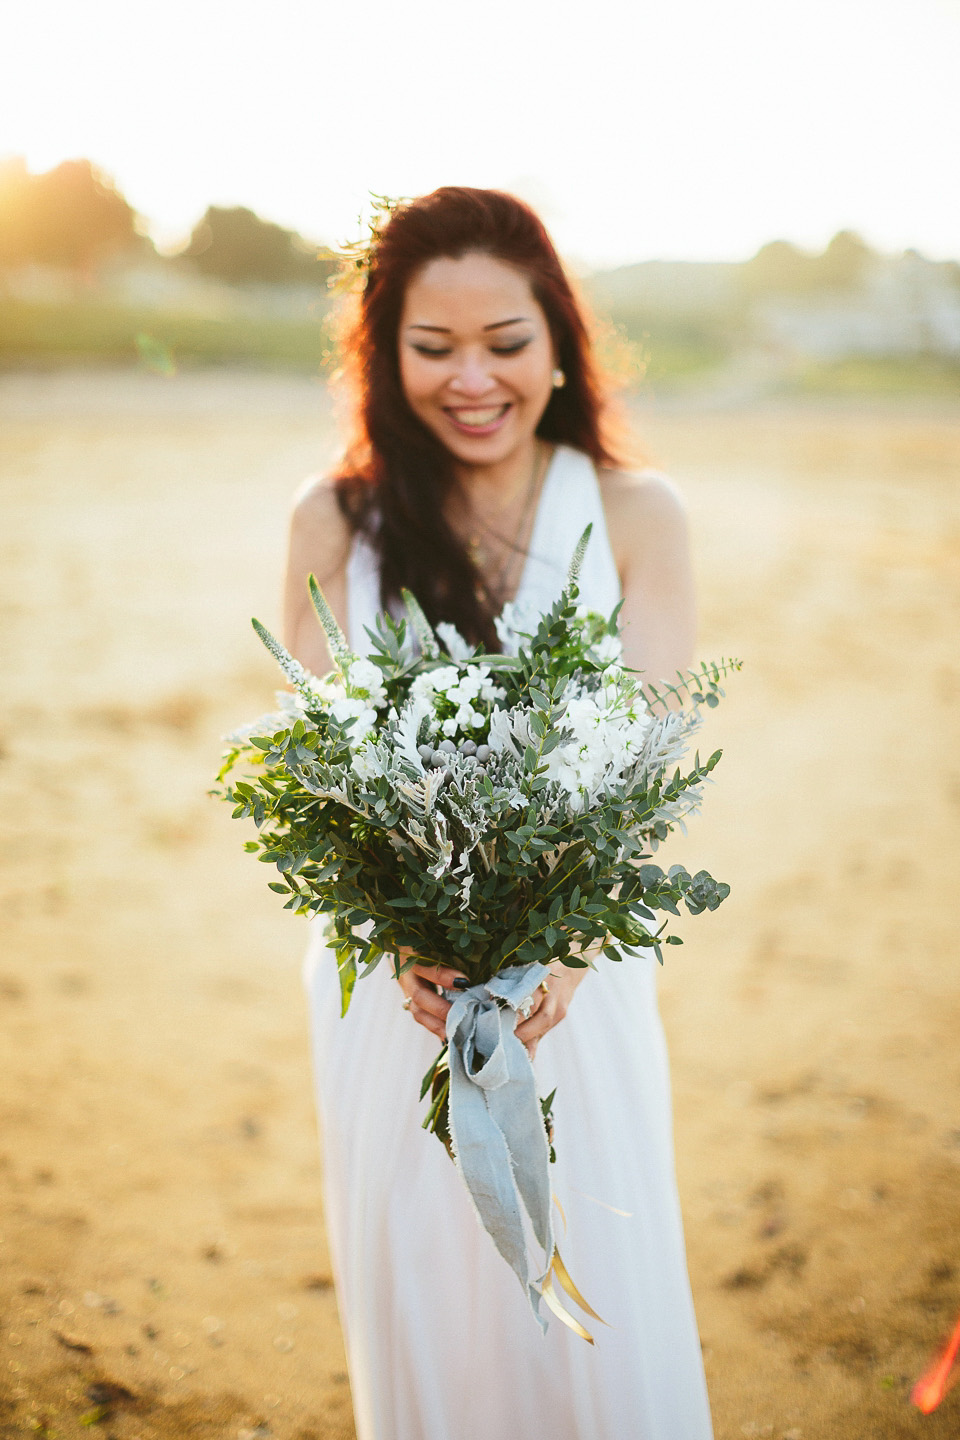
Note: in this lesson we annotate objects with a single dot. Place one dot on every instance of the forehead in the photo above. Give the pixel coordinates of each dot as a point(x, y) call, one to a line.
point(470, 292)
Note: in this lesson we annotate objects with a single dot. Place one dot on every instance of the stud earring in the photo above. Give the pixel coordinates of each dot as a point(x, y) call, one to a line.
point(558, 378)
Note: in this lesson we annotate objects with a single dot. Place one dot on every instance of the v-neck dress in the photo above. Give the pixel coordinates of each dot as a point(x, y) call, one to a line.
point(441, 1344)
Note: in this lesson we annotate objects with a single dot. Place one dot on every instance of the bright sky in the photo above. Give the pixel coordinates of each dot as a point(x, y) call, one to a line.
point(683, 129)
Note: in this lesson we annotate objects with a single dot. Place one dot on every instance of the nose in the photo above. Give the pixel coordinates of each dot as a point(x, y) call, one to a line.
point(473, 379)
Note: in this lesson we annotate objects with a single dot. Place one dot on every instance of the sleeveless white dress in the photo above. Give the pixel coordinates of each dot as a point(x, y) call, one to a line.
point(440, 1340)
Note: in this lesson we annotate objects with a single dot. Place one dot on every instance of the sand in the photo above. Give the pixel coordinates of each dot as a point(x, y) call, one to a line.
point(163, 1269)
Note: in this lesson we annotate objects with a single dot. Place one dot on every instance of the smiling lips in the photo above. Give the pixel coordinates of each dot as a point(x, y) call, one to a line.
point(475, 419)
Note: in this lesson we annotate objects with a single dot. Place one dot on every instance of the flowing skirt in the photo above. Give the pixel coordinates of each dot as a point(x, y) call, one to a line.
point(441, 1342)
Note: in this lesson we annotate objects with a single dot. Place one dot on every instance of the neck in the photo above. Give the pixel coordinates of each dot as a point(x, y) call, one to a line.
point(497, 487)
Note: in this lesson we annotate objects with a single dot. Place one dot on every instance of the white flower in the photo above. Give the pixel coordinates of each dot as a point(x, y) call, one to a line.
point(456, 645)
point(365, 680)
point(363, 716)
point(450, 727)
point(264, 725)
point(606, 651)
point(435, 682)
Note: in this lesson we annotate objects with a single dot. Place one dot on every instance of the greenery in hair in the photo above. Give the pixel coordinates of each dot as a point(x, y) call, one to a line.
point(356, 256)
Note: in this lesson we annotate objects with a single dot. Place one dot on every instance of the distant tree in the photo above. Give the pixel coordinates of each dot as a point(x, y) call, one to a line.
point(236, 245)
point(783, 269)
point(778, 268)
point(71, 216)
point(14, 182)
point(844, 263)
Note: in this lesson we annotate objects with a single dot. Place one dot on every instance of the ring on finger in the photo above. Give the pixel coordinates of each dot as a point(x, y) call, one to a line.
point(526, 1008)
point(408, 1002)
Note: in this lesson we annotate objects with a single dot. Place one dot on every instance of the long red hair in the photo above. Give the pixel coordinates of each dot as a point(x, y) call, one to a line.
point(396, 474)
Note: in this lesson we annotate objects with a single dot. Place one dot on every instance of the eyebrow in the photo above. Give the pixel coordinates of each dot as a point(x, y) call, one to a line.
point(497, 325)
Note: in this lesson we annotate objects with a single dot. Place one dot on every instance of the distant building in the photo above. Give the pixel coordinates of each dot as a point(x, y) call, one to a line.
point(905, 305)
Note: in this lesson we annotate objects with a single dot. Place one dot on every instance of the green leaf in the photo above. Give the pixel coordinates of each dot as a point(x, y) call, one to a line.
point(348, 978)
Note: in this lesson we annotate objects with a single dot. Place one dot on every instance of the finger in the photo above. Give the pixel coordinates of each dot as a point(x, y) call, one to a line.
point(546, 1016)
point(443, 975)
point(429, 1022)
point(429, 1002)
point(424, 996)
point(532, 1005)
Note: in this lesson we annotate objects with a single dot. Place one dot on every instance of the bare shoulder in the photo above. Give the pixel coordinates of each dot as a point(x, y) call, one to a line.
point(315, 502)
point(318, 527)
point(644, 493)
point(644, 510)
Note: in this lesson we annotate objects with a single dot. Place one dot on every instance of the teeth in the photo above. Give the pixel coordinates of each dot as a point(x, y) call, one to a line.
point(479, 418)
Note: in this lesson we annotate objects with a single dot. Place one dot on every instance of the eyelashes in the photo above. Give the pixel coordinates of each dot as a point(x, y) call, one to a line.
point(512, 349)
point(436, 354)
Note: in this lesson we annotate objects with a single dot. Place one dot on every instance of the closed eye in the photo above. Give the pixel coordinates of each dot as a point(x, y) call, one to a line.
point(437, 352)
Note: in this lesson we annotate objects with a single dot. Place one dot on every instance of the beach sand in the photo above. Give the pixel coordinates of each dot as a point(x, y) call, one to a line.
point(163, 1270)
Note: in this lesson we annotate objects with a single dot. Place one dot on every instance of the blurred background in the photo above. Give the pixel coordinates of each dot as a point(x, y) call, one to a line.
point(760, 208)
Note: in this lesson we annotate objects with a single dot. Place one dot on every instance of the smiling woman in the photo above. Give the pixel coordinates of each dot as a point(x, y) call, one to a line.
point(478, 463)
point(470, 360)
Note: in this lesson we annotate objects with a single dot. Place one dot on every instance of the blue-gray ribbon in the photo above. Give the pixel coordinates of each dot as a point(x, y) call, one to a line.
point(496, 1125)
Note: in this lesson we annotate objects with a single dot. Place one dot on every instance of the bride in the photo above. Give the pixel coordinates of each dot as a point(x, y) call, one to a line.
point(478, 459)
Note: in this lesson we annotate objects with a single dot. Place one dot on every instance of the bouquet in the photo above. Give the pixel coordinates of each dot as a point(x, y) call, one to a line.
point(494, 812)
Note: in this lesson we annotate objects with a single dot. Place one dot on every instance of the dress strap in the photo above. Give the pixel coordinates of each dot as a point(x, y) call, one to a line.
point(363, 593)
point(570, 501)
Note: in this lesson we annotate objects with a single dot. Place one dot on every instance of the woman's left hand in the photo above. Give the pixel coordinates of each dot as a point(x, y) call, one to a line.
point(550, 1004)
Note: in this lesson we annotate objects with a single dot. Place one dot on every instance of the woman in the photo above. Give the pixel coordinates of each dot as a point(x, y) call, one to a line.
point(479, 460)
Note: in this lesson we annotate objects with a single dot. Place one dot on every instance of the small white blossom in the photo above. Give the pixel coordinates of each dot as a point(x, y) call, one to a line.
point(606, 651)
point(363, 716)
point(435, 682)
point(365, 680)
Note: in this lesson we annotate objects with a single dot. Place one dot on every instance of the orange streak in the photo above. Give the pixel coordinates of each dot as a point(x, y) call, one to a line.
point(933, 1383)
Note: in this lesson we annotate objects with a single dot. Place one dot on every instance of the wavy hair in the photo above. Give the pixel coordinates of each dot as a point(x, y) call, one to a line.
point(396, 475)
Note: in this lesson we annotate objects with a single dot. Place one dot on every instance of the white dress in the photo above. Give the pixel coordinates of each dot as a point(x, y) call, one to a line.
point(441, 1342)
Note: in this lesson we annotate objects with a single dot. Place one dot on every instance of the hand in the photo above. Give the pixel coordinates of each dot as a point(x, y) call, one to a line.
point(419, 986)
point(550, 1004)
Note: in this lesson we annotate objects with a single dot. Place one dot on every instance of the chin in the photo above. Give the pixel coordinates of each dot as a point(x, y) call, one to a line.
point(489, 449)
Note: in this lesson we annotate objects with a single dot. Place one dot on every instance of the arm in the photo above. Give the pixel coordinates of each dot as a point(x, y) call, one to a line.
point(647, 524)
point(319, 544)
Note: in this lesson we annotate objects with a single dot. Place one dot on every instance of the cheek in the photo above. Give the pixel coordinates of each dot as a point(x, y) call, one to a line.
point(417, 380)
point(536, 376)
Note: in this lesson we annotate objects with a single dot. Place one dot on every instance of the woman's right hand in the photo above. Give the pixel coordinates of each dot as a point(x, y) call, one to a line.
point(419, 986)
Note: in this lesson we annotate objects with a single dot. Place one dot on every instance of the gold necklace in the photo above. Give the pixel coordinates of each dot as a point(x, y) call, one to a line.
point(495, 591)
